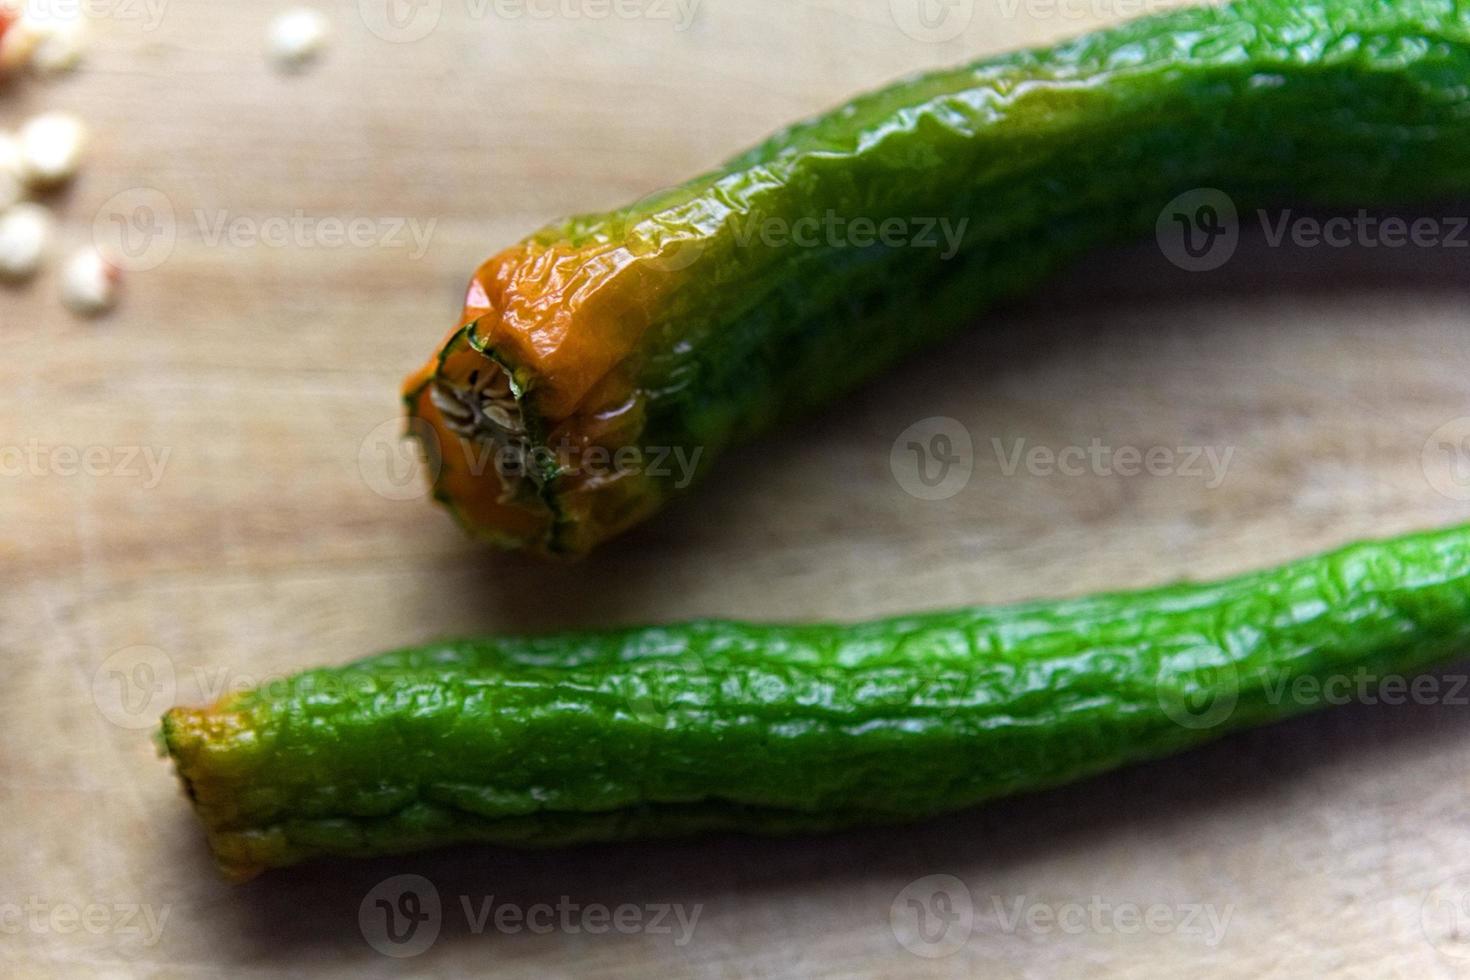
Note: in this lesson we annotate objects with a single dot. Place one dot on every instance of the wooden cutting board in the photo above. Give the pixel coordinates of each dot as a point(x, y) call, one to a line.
point(205, 490)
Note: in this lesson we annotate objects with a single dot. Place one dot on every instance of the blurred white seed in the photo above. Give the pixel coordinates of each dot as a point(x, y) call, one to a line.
point(51, 149)
point(296, 37)
point(12, 176)
point(88, 283)
point(25, 231)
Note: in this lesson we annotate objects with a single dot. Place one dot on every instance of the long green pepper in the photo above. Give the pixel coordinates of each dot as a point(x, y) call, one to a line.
point(679, 324)
point(673, 730)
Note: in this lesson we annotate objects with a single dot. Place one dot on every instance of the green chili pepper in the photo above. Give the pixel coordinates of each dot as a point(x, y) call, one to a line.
point(699, 317)
point(774, 729)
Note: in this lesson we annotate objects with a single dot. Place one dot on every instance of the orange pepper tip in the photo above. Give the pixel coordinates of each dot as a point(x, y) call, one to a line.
point(543, 357)
point(468, 445)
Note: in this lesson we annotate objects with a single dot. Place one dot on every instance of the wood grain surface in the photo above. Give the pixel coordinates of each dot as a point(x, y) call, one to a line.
point(282, 526)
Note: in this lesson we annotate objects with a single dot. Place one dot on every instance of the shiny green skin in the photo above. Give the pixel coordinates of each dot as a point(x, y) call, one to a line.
point(703, 726)
point(1044, 155)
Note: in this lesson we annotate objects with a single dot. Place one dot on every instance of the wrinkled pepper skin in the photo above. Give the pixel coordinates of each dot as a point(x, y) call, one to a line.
point(771, 729)
point(678, 323)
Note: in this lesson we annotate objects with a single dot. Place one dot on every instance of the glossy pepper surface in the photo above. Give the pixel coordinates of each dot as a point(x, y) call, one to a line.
point(771, 729)
point(700, 316)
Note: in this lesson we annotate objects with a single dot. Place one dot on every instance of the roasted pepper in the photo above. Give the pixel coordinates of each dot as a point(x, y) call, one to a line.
point(670, 730)
point(605, 361)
